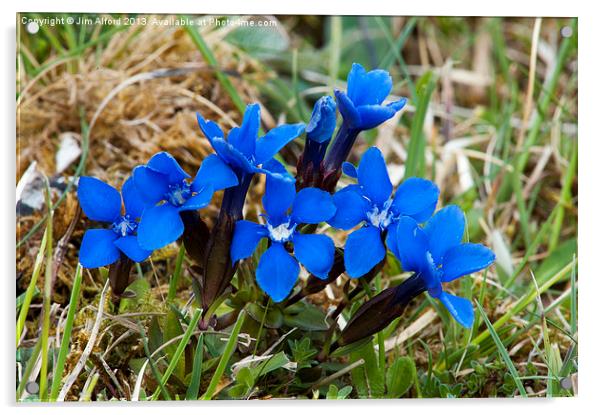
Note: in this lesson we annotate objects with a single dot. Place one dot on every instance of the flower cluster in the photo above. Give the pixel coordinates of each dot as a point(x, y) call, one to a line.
point(160, 196)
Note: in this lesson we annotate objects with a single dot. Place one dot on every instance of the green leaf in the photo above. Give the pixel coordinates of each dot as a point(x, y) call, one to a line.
point(173, 329)
point(400, 377)
point(302, 351)
point(305, 317)
point(368, 379)
point(272, 319)
point(344, 392)
point(333, 392)
point(139, 287)
point(277, 361)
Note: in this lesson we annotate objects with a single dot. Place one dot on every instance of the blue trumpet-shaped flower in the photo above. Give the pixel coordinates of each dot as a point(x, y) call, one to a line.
point(362, 109)
point(243, 152)
point(437, 254)
point(371, 202)
point(102, 203)
point(278, 270)
point(164, 186)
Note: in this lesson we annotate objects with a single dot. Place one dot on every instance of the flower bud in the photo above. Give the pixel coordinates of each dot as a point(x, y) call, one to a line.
point(380, 311)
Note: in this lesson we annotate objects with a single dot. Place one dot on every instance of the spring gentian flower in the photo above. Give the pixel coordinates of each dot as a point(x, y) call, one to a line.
point(102, 203)
point(278, 270)
point(244, 153)
point(370, 202)
point(437, 254)
point(163, 184)
point(362, 109)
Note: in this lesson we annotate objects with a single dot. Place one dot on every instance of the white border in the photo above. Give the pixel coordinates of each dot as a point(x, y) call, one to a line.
point(590, 152)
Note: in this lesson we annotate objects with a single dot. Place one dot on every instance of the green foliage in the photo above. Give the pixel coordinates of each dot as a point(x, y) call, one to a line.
point(400, 377)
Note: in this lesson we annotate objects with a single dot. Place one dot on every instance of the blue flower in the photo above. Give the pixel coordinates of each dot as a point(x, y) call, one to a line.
point(102, 203)
point(243, 152)
point(164, 186)
point(361, 107)
point(278, 270)
point(370, 202)
point(437, 254)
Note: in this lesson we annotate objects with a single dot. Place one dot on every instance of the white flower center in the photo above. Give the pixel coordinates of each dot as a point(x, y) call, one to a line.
point(124, 226)
point(178, 194)
point(282, 232)
point(381, 218)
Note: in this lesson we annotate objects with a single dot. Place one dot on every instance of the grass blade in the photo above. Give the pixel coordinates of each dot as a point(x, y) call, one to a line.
point(221, 367)
point(192, 393)
point(47, 298)
point(64, 350)
point(176, 357)
point(503, 351)
point(31, 288)
point(524, 301)
point(199, 42)
point(173, 282)
point(415, 160)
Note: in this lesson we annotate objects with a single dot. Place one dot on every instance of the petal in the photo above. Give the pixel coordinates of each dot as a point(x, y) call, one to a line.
point(364, 249)
point(412, 245)
point(152, 186)
point(417, 198)
point(465, 259)
point(368, 88)
point(246, 237)
point(97, 248)
point(392, 238)
point(243, 138)
point(444, 231)
point(277, 272)
point(349, 169)
point(271, 143)
point(347, 109)
point(159, 226)
point(166, 164)
point(199, 200)
point(279, 191)
point(460, 308)
point(398, 105)
point(132, 199)
point(215, 173)
point(373, 115)
point(209, 128)
point(129, 246)
point(323, 120)
point(315, 253)
point(373, 177)
point(351, 209)
point(312, 205)
point(98, 200)
point(232, 157)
